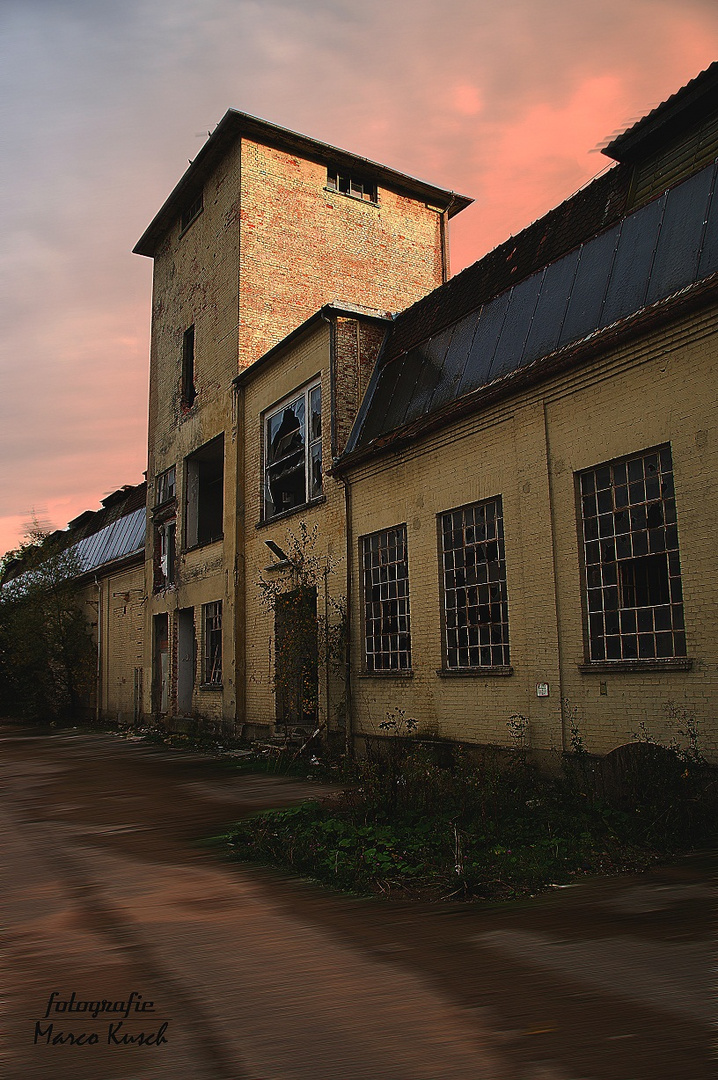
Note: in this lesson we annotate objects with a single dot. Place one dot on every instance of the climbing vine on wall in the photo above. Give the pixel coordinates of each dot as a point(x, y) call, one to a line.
point(309, 627)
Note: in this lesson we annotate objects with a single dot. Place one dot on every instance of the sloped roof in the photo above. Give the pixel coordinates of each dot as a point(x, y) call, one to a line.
point(642, 259)
point(120, 539)
point(114, 506)
point(95, 538)
point(594, 207)
point(685, 109)
point(234, 125)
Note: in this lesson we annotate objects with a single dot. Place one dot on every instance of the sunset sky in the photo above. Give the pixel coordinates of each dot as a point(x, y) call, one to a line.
point(104, 102)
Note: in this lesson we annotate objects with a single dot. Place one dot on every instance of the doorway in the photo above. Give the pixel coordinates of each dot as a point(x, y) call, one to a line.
point(296, 659)
point(161, 679)
point(186, 660)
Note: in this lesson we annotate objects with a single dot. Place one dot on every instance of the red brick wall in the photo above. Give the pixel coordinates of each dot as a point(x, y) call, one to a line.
point(303, 246)
point(357, 346)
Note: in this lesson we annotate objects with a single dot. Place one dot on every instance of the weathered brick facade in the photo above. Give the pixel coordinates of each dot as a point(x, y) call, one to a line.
point(336, 349)
point(528, 450)
point(252, 242)
point(260, 259)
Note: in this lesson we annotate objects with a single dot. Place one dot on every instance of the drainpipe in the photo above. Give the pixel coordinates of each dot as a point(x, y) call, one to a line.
point(326, 650)
point(444, 237)
point(349, 720)
point(348, 724)
point(98, 675)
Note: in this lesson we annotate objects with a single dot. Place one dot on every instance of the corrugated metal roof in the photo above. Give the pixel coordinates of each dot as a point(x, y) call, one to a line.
point(646, 257)
point(689, 105)
point(595, 207)
point(118, 540)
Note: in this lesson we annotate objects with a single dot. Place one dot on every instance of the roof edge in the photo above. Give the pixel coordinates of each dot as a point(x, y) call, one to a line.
point(323, 314)
point(693, 297)
point(235, 124)
point(694, 101)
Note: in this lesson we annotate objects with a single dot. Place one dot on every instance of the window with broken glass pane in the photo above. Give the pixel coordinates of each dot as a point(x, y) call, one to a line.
point(358, 187)
point(632, 569)
point(387, 634)
point(164, 562)
point(293, 452)
point(204, 494)
point(476, 612)
point(212, 653)
point(166, 487)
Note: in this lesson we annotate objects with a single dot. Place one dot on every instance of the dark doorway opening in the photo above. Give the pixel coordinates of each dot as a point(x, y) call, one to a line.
point(161, 681)
point(296, 668)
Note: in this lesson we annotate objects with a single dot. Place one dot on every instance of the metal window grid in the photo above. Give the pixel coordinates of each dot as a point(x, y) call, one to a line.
point(212, 643)
point(476, 609)
point(630, 535)
point(386, 601)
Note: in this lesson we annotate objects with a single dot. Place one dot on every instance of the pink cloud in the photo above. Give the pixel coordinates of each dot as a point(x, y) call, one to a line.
point(536, 161)
point(467, 100)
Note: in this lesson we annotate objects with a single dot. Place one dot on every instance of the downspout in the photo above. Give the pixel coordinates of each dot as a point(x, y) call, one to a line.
point(98, 673)
point(326, 651)
point(349, 720)
point(348, 726)
point(444, 238)
point(565, 736)
point(240, 595)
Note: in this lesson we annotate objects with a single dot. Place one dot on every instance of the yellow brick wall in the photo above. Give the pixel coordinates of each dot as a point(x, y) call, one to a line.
point(528, 450)
point(196, 282)
point(304, 246)
point(270, 247)
point(290, 371)
point(117, 606)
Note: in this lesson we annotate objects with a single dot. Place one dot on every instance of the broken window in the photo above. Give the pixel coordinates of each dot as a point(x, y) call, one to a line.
point(632, 566)
point(476, 609)
point(188, 388)
point(192, 210)
point(165, 486)
point(386, 601)
point(358, 187)
point(293, 452)
point(165, 536)
point(204, 511)
point(212, 644)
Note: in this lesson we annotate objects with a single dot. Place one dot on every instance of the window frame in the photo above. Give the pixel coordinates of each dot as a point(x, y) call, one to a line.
point(358, 187)
point(194, 505)
point(211, 671)
point(368, 664)
point(166, 486)
point(165, 555)
point(603, 576)
point(191, 212)
point(188, 387)
point(500, 666)
point(304, 394)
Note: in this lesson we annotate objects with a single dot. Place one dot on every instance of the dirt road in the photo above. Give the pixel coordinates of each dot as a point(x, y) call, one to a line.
point(131, 952)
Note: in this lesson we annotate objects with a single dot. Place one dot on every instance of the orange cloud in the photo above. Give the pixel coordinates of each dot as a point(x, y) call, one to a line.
point(537, 160)
point(467, 100)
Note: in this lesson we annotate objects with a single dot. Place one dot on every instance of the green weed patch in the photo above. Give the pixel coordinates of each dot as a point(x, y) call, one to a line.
point(408, 827)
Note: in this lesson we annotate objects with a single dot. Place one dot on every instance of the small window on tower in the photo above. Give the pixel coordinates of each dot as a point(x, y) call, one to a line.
point(188, 388)
point(192, 210)
point(357, 187)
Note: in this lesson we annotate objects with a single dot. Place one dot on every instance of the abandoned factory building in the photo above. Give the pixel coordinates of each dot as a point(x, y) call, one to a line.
point(487, 496)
